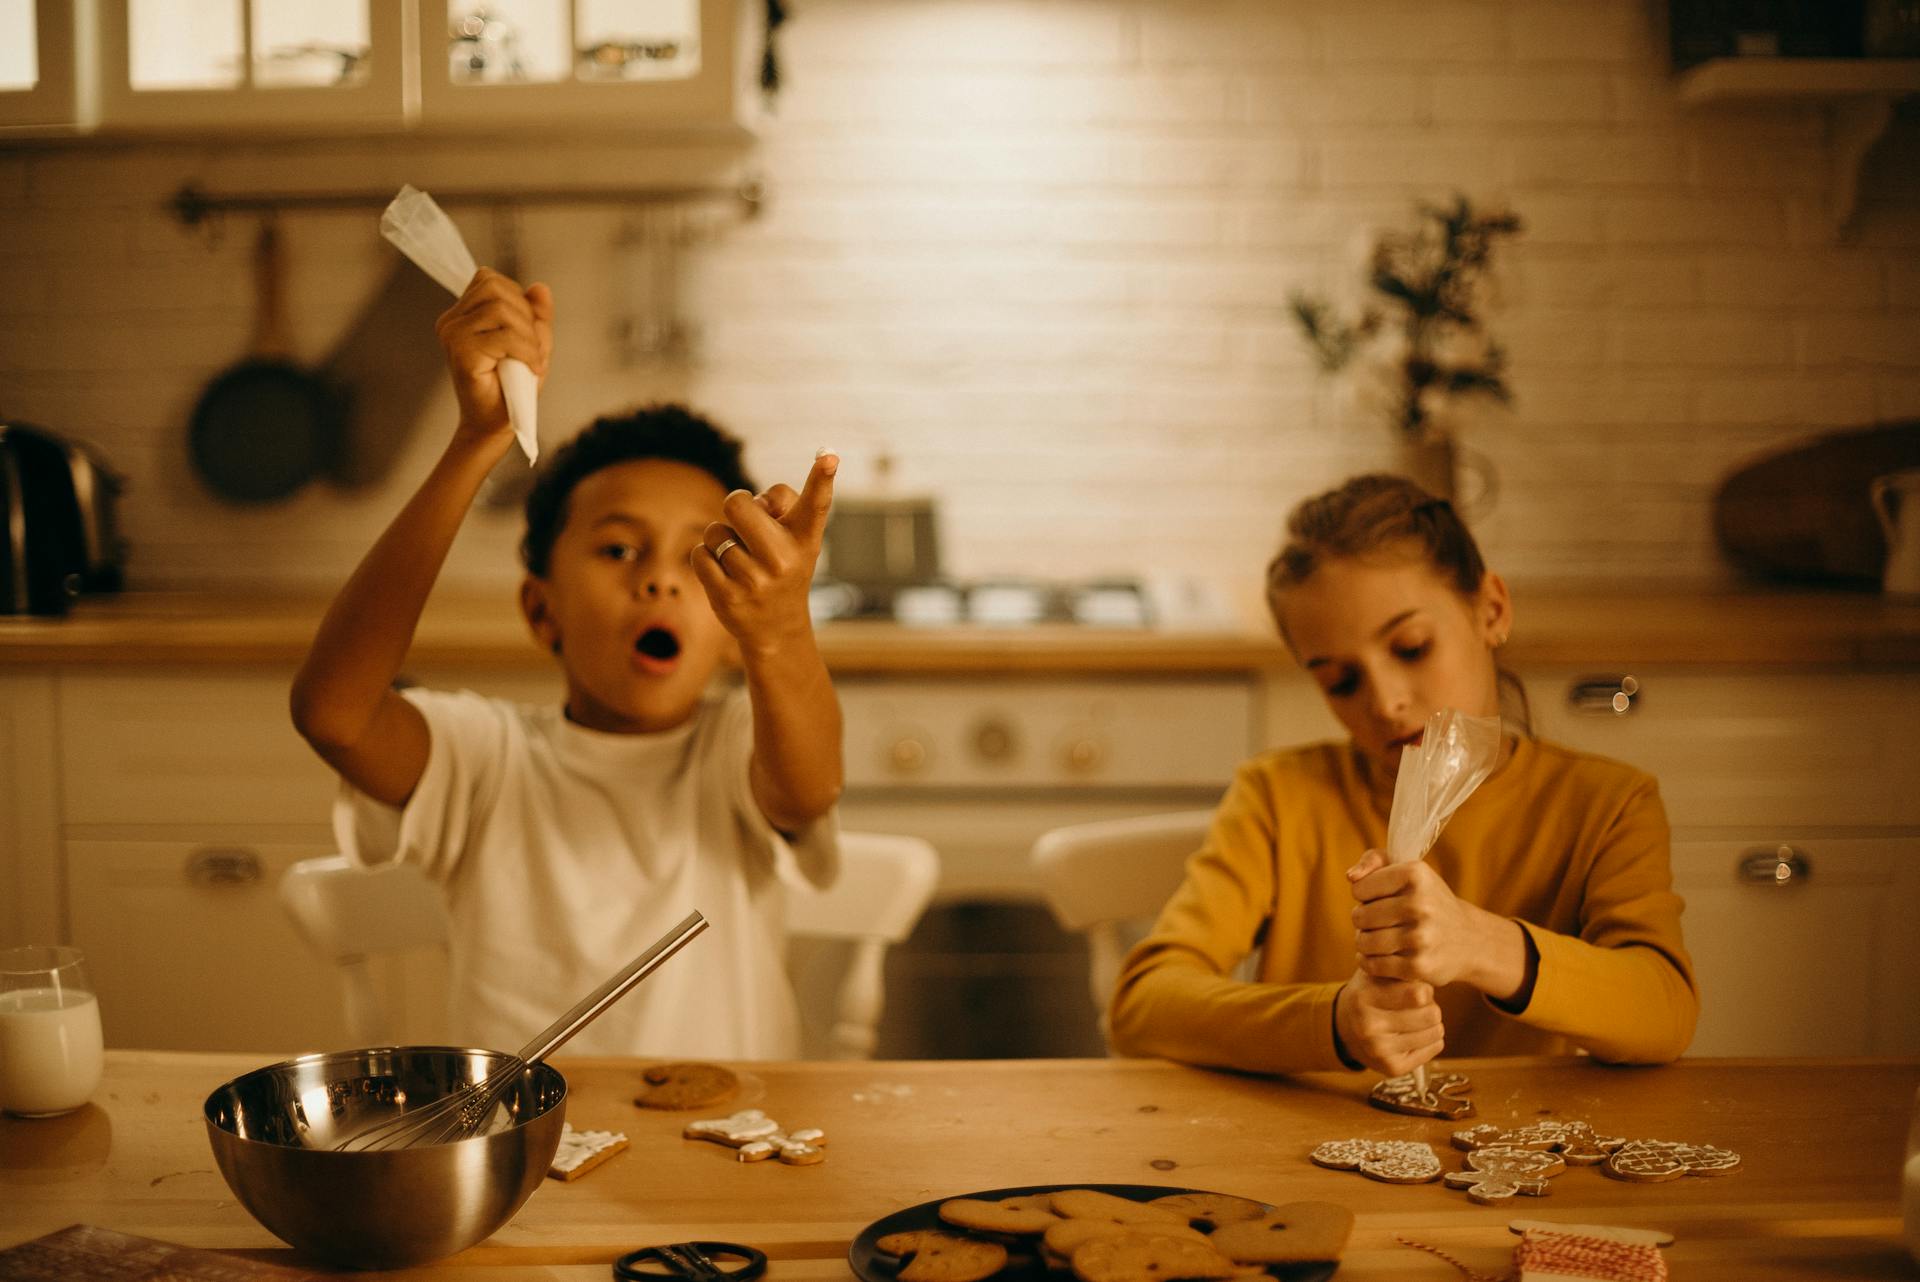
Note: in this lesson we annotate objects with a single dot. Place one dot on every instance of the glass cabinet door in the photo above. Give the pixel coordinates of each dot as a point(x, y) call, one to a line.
point(318, 63)
point(38, 57)
point(590, 63)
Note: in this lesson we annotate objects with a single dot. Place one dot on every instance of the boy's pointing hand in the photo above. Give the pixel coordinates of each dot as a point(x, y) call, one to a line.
point(757, 565)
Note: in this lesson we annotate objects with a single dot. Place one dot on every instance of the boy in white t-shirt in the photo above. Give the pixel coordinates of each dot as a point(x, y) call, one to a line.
point(569, 838)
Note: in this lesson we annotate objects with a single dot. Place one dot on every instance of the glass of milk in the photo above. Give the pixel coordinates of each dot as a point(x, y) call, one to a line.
point(50, 1047)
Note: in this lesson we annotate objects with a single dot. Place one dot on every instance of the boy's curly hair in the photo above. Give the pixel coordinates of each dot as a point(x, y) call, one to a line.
point(671, 432)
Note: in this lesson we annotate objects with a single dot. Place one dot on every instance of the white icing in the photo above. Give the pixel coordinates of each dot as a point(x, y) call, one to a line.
point(576, 1147)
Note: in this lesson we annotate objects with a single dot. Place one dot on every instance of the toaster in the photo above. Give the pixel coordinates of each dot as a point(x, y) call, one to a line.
point(57, 533)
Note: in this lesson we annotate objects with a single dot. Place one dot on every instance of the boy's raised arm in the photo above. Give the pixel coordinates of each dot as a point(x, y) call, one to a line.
point(343, 701)
point(757, 567)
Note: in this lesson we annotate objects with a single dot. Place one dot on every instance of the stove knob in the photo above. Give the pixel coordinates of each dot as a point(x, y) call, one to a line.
point(908, 755)
point(994, 740)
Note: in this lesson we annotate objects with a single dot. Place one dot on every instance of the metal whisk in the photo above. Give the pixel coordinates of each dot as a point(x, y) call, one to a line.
point(462, 1113)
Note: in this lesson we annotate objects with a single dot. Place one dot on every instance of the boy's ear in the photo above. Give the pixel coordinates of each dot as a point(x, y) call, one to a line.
point(534, 608)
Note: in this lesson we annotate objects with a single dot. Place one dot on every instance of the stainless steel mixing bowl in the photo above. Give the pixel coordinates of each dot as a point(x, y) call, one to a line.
point(273, 1133)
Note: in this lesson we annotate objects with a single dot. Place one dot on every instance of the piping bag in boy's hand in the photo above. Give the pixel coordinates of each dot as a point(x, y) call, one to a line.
point(1455, 753)
point(420, 230)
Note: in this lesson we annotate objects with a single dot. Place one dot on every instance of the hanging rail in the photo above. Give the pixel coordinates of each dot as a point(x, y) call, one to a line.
point(193, 206)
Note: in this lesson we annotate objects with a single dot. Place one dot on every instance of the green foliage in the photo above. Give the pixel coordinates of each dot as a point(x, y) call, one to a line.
point(1428, 281)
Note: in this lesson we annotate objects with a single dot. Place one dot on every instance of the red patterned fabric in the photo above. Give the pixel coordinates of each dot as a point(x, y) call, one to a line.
point(1572, 1255)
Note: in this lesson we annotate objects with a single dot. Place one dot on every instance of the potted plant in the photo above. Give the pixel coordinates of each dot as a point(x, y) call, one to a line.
point(1428, 283)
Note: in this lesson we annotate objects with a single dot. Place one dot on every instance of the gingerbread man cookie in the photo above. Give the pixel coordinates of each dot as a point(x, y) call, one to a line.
point(1445, 1096)
point(758, 1137)
point(1653, 1161)
point(1576, 1142)
point(1389, 1161)
point(1496, 1174)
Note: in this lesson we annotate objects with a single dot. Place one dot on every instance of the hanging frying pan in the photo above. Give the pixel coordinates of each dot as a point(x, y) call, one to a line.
point(265, 426)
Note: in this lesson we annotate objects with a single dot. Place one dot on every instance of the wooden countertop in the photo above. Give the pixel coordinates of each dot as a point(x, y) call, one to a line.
point(1553, 626)
point(1818, 1194)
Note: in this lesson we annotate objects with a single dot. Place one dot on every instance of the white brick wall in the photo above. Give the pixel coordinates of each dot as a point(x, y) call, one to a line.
point(1039, 250)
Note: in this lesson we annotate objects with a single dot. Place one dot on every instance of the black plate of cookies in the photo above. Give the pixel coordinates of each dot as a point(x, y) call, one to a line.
point(1102, 1233)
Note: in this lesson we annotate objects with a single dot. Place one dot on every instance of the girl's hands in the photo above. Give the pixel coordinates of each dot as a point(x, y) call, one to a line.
point(494, 319)
point(1410, 925)
point(757, 565)
point(1389, 1026)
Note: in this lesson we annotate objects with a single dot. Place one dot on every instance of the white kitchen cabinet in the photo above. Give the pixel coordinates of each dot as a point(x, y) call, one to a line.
point(360, 66)
point(39, 67)
point(1751, 751)
point(190, 950)
point(29, 812)
point(1824, 962)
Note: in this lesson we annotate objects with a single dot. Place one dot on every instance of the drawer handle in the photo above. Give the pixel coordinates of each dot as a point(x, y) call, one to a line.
point(994, 740)
point(1781, 865)
point(225, 866)
point(1084, 754)
point(1604, 696)
point(908, 755)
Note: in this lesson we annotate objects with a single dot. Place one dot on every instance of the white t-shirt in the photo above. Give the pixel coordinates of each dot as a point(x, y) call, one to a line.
point(565, 851)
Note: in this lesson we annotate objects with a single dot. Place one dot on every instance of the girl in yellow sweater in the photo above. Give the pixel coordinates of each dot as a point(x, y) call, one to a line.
point(1544, 918)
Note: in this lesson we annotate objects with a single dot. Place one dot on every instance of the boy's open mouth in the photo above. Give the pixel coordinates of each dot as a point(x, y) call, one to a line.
point(657, 648)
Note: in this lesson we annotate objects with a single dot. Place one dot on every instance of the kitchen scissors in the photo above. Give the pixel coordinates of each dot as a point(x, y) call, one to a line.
point(692, 1262)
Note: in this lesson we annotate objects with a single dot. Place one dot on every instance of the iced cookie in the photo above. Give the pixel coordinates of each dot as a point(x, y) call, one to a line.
point(1389, 1161)
point(686, 1085)
point(1653, 1161)
point(928, 1255)
point(1446, 1096)
point(1288, 1234)
point(1495, 1174)
point(747, 1126)
point(581, 1151)
point(1576, 1142)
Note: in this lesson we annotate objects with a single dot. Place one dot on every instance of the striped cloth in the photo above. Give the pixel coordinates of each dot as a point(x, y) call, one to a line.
point(1549, 1257)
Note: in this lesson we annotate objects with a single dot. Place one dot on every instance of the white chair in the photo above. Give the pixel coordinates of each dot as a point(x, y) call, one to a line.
point(352, 915)
point(1107, 876)
point(884, 885)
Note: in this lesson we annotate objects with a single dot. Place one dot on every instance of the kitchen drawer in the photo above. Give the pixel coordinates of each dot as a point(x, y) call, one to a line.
point(191, 950)
point(1046, 733)
point(186, 747)
point(1746, 748)
point(1824, 963)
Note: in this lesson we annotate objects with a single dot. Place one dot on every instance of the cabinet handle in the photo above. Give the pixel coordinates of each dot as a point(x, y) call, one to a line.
point(1781, 865)
point(225, 866)
point(1604, 696)
point(1084, 754)
point(994, 740)
point(907, 755)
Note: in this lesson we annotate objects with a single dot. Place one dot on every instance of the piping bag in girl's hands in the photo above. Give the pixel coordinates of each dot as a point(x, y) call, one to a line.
point(1455, 753)
point(419, 229)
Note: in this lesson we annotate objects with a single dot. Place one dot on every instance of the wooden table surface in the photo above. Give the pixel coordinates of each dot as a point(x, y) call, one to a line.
point(1816, 1197)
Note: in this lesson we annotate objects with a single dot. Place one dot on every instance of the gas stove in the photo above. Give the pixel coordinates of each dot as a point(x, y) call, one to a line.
point(1107, 602)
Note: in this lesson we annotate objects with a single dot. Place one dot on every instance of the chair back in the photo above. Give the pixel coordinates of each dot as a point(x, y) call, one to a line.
point(354, 914)
point(1104, 876)
point(884, 885)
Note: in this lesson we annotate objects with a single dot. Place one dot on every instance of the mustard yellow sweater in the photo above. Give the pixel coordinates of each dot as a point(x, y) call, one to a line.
point(1574, 847)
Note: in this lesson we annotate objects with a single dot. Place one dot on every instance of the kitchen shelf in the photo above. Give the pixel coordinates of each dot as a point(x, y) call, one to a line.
point(1859, 94)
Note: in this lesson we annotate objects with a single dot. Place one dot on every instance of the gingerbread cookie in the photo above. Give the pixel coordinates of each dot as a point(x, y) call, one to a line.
point(1091, 1204)
point(686, 1085)
point(1496, 1174)
point(1148, 1257)
point(995, 1217)
point(1389, 1161)
point(581, 1151)
point(1445, 1096)
point(745, 1127)
point(929, 1255)
point(1576, 1142)
point(1653, 1161)
point(1211, 1209)
point(1064, 1237)
point(1289, 1234)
